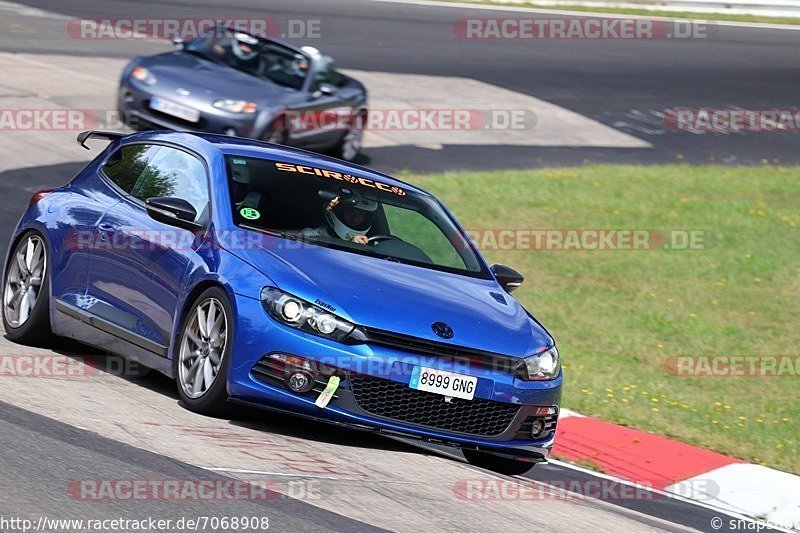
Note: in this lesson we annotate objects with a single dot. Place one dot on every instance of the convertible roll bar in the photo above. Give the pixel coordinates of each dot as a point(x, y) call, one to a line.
point(109, 135)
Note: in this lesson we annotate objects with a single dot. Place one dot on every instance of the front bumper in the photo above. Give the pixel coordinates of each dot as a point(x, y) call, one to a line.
point(501, 413)
point(133, 103)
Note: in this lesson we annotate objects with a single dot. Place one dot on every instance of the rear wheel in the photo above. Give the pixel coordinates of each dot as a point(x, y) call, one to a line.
point(26, 296)
point(497, 463)
point(202, 360)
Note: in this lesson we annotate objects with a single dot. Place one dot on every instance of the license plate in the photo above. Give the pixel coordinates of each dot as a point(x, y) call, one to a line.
point(174, 109)
point(444, 383)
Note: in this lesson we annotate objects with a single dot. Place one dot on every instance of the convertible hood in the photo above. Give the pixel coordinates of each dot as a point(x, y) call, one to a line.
point(401, 298)
point(205, 79)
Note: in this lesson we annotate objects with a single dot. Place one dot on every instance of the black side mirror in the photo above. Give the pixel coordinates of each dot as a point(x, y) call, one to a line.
point(172, 211)
point(507, 277)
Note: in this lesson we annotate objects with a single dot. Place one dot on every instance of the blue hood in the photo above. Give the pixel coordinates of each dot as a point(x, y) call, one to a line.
point(401, 298)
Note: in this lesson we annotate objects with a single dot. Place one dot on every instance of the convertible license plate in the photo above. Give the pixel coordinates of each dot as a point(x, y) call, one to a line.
point(174, 109)
point(444, 383)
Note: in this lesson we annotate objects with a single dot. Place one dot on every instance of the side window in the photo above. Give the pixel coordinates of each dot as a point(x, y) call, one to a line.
point(415, 229)
point(175, 173)
point(126, 164)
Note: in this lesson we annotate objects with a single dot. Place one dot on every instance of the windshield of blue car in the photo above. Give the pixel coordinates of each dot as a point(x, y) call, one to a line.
point(296, 202)
point(264, 59)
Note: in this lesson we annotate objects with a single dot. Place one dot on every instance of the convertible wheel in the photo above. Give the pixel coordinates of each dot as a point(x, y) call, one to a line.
point(203, 358)
point(350, 145)
point(496, 463)
point(276, 132)
point(26, 314)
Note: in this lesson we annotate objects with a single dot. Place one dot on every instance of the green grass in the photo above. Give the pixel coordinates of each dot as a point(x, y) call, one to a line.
point(687, 15)
point(618, 315)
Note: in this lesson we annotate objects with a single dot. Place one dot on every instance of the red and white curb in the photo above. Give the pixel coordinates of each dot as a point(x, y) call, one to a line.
point(710, 478)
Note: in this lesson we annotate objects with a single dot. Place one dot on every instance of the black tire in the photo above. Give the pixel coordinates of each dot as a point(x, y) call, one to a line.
point(214, 401)
point(497, 463)
point(276, 132)
point(36, 329)
point(341, 150)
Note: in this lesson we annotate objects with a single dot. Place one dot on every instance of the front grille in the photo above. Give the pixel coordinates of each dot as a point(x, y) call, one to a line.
point(389, 399)
point(452, 352)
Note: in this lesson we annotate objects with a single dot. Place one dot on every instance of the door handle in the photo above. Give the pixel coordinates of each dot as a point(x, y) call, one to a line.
point(105, 229)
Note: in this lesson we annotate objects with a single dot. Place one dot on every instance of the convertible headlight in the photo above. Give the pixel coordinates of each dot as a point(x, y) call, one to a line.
point(302, 315)
point(143, 75)
point(235, 106)
point(542, 366)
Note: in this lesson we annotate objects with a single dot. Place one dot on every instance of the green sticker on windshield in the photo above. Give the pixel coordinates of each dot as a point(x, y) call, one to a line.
point(249, 213)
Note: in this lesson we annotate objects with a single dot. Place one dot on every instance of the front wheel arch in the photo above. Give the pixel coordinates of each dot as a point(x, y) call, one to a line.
point(188, 302)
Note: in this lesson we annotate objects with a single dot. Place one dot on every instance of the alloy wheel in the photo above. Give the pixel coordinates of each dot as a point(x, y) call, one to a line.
point(24, 280)
point(202, 348)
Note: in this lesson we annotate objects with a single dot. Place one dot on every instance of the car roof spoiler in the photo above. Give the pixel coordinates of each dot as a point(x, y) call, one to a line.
point(109, 135)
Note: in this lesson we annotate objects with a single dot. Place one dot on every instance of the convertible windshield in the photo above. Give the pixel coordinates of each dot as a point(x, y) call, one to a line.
point(257, 57)
point(350, 213)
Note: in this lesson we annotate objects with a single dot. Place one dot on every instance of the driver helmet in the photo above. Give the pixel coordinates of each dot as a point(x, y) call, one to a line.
point(244, 46)
point(350, 214)
point(311, 52)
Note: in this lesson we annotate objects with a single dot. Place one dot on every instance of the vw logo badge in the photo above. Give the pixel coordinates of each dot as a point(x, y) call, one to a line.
point(442, 329)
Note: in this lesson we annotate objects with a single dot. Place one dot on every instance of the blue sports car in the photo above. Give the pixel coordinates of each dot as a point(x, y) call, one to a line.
point(264, 275)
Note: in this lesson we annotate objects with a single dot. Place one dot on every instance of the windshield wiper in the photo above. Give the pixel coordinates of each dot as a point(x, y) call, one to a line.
point(273, 232)
point(392, 258)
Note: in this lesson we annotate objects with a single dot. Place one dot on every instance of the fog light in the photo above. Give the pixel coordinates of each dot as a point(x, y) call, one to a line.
point(537, 428)
point(300, 381)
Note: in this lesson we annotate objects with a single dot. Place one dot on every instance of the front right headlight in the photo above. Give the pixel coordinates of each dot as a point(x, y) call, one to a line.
point(143, 75)
point(543, 366)
point(305, 316)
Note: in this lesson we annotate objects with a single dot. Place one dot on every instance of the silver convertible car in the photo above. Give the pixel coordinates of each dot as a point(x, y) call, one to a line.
point(244, 85)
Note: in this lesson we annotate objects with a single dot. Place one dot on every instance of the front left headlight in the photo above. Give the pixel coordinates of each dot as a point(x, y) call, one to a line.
point(235, 106)
point(543, 366)
point(305, 316)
